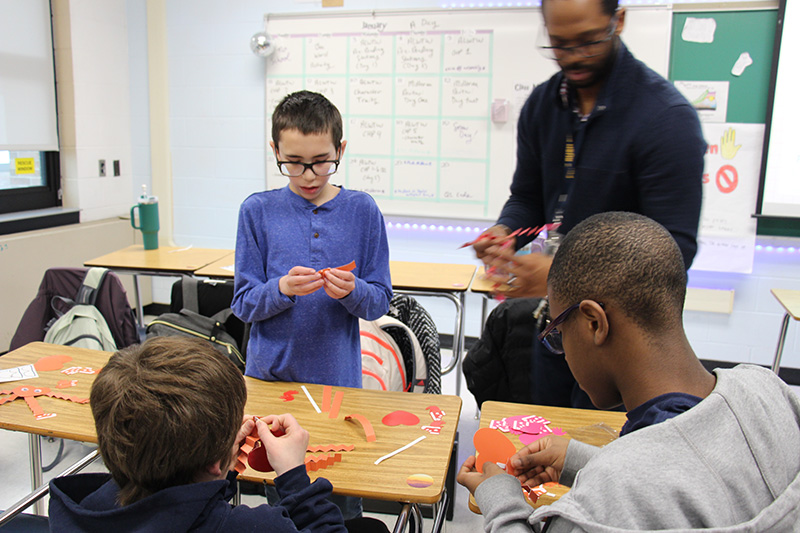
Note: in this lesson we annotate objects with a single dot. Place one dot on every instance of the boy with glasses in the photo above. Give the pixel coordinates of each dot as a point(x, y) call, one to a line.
point(304, 310)
point(605, 133)
point(699, 450)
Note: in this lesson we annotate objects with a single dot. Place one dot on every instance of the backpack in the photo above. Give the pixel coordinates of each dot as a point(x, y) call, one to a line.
point(383, 365)
point(188, 322)
point(82, 325)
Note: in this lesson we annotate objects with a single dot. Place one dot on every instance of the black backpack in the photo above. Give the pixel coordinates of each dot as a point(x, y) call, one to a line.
point(188, 322)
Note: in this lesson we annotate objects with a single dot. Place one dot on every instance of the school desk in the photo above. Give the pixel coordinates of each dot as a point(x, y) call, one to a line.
point(163, 261)
point(450, 281)
point(443, 280)
point(790, 300)
point(587, 425)
point(355, 475)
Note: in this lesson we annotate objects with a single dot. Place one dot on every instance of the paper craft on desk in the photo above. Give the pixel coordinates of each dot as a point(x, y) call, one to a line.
point(51, 362)
point(17, 373)
point(29, 394)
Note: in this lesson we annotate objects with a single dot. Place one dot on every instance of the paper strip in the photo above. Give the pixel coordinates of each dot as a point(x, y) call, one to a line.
point(337, 403)
point(398, 450)
point(310, 399)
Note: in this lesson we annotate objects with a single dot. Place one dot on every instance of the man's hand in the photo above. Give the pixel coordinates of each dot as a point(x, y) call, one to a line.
point(300, 281)
point(469, 477)
point(338, 283)
point(524, 276)
point(288, 450)
point(487, 239)
point(540, 462)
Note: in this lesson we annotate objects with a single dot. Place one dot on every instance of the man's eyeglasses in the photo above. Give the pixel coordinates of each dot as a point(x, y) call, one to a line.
point(551, 337)
point(585, 50)
point(294, 169)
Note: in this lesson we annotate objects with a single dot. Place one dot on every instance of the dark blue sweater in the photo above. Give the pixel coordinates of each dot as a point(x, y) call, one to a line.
point(641, 150)
point(88, 502)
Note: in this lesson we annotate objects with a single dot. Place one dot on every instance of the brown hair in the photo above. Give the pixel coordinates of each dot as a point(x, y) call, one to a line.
point(164, 411)
point(308, 113)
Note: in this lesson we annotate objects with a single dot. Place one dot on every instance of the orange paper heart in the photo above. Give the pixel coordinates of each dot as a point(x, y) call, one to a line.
point(491, 446)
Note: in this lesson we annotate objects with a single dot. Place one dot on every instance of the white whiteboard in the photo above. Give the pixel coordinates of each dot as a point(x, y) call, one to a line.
point(415, 90)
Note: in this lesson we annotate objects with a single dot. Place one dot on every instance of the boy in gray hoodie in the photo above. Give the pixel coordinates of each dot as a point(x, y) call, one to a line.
point(718, 451)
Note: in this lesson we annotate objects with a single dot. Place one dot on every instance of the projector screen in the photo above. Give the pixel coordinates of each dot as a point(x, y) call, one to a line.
point(779, 192)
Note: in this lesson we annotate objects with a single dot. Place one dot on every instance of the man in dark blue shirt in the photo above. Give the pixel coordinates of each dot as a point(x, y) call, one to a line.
point(606, 133)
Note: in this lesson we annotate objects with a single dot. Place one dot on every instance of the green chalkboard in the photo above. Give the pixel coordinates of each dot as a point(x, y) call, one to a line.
point(737, 32)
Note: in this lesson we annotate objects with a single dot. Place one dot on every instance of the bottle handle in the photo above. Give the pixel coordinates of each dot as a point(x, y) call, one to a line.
point(133, 219)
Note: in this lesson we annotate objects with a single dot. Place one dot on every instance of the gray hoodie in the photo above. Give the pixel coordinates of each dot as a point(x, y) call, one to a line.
point(730, 463)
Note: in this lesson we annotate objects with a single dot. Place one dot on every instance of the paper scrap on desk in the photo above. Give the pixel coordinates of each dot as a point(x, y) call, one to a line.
point(699, 30)
point(229, 268)
point(742, 63)
point(51, 362)
point(310, 399)
point(400, 418)
point(17, 373)
point(181, 249)
point(401, 449)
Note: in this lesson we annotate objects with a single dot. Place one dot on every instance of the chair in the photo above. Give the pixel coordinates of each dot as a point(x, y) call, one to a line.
point(13, 520)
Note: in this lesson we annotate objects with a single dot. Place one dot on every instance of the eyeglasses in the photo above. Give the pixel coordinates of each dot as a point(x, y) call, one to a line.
point(294, 169)
point(551, 337)
point(585, 50)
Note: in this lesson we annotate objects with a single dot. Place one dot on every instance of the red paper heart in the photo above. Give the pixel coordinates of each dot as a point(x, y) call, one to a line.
point(491, 446)
point(258, 457)
point(400, 418)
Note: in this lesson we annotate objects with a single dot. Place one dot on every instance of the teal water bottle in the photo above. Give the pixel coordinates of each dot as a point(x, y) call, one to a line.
point(148, 219)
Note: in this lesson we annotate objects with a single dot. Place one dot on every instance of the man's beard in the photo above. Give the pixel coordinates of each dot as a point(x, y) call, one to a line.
point(598, 72)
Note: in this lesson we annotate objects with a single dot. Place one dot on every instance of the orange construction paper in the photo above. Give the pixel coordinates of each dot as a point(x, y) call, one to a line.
point(492, 446)
point(29, 393)
point(326, 398)
point(331, 448)
point(368, 431)
point(349, 267)
point(51, 362)
point(337, 403)
point(318, 462)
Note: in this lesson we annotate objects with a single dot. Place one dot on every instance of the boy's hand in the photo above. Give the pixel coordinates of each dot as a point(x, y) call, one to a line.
point(288, 450)
point(487, 239)
point(540, 462)
point(300, 281)
point(247, 427)
point(338, 283)
point(471, 478)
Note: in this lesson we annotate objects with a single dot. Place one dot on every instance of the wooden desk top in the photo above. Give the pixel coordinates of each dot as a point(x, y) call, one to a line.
point(480, 284)
point(431, 276)
point(355, 475)
point(578, 423)
point(164, 259)
point(790, 300)
point(217, 269)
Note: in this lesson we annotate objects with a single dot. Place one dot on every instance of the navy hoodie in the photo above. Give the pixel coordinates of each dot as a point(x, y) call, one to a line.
point(88, 502)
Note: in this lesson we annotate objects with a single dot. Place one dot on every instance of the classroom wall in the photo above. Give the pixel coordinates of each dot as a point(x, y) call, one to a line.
point(216, 88)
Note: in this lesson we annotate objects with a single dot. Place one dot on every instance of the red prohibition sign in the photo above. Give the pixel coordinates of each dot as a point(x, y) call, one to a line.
point(727, 179)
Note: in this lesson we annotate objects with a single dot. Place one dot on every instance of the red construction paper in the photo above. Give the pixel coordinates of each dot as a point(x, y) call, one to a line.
point(288, 396)
point(435, 412)
point(337, 403)
point(318, 462)
point(257, 458)
point(66, 383)
point(331, 448)
point(492, 446)
point(29, 393)
point(400, 418)
point(348, 267)
point(51, 362)
point(366, 424)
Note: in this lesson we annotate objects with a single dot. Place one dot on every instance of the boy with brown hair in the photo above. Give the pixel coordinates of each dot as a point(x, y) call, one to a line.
point(169, 417)
point(699, 450)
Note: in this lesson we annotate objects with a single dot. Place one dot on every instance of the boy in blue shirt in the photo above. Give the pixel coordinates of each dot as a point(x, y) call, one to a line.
point(304, 321)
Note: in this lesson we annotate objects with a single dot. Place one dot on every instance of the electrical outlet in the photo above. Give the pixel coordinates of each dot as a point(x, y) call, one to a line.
point(116, 167)
point(102, 167)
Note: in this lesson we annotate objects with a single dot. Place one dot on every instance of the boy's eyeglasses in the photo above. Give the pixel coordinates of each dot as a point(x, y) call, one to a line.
point(294, 169)
point(551, 337)
point(585, 50)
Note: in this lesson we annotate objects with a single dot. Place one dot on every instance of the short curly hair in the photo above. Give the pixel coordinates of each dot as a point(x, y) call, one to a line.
point(609, 7)
point(164, 411)
point(624, 258)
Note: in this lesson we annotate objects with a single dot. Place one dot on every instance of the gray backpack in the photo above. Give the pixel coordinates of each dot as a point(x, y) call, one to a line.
point(190, 323)
point(82, 325)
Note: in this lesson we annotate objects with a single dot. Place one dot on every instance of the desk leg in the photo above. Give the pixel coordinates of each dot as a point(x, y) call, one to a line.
point(776, 364)
point(139, 308)
point(409, 515)
point(440, 510)
point(35, 453)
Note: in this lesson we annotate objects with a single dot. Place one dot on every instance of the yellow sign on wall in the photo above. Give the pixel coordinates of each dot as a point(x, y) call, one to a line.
point(25, 165)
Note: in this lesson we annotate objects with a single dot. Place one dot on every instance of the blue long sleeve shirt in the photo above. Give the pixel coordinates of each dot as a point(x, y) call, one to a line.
point(640, 150)
point(312, 338)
